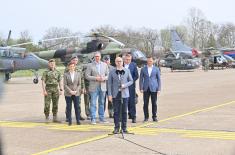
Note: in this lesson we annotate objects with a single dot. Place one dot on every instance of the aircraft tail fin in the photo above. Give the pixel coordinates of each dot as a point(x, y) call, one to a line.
point(177, 43)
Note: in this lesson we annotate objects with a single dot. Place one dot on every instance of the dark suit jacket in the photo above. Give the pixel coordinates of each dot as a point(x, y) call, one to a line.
point(134, 72)
point(153, 82)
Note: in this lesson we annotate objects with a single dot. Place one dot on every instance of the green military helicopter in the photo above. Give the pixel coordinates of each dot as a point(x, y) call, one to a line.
point(105, 44)
point(15, 58)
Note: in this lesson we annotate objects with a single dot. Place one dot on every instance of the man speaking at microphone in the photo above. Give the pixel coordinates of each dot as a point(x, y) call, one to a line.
point(118, 82)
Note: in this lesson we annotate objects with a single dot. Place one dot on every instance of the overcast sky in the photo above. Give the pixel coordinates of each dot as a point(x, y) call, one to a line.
point(82, 15)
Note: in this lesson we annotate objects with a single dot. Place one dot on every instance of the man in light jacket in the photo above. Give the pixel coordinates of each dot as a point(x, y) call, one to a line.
point(118, 82)
point(97, 74)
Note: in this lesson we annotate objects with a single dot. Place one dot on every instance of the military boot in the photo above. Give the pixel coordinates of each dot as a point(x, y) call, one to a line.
point(46, 119)
point(55, 120)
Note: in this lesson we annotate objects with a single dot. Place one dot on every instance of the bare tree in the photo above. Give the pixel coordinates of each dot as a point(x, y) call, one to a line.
point(151, 39)
point(106, 30)
point(55, 32)
point(194, 22)
point(226, 37)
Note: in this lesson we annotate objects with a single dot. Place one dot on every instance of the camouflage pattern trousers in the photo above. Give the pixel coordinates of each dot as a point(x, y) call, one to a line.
point(52, 95)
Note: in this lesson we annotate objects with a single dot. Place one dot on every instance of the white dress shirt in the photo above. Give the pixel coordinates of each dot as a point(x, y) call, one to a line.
point(72, 75)
point(98, 66)
point(126, 66)
point(150, 70)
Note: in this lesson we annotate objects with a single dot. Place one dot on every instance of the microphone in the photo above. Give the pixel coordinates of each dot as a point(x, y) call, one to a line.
point(120, 73)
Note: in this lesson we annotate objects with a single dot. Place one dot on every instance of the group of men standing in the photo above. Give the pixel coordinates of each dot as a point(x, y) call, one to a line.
point(102, 80)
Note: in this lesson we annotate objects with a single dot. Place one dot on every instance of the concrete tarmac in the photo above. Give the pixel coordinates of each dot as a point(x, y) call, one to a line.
point(195, 112)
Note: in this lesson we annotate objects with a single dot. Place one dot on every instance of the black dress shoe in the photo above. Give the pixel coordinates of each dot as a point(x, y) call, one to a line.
point(115, 131)
point(146, 120)
point(129, 117)
point(81, 118)
point(124, 131)
point(78, 123)
point(70, 123)
point(134, 120)
point(155, 120)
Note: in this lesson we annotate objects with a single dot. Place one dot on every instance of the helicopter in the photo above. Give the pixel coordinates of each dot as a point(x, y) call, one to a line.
point(16, 58)
point(216, 58)
point(100, 42)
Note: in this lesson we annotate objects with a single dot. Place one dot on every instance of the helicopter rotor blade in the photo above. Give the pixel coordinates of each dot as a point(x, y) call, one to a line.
point(8, 38)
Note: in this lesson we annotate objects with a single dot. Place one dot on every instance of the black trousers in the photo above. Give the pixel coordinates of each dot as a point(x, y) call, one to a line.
point(120, 111)
point(153, 96)
point(76, 102)
point(131, 102)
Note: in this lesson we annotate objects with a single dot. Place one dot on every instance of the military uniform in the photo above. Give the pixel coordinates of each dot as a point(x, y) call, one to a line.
point(86, 95)
point(207, 63)
point(52, 79)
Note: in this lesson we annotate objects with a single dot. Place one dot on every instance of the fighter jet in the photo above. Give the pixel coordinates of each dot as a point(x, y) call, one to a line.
point(15, 58)
point(180, 56)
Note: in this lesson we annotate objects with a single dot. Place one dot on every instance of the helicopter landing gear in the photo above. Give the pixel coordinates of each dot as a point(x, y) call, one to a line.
point(35, 80)
point(7, 76)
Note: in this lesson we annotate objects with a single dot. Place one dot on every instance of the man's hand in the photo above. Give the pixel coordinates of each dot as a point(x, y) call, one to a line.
point(158, 92)
point(45, 93)
point(141, 91)
point(123, 86)
point(110, 98)
point(98, 78)
point(73, 92)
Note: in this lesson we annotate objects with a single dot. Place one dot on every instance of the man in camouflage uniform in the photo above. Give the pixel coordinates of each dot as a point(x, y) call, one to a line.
point(207, 64)
point(79, 69)
point(86, 94)
point(52, 88)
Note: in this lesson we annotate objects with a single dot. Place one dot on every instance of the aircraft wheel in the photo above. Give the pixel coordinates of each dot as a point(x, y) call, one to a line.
point(35, 81)
point(7, 76)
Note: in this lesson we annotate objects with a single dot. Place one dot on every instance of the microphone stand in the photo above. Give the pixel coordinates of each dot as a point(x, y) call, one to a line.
point(121, 110)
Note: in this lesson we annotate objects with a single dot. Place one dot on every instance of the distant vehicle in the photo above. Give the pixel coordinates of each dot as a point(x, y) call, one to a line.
point(15, 58)
point(231, 61)
point(228, 51)
point(216, 59)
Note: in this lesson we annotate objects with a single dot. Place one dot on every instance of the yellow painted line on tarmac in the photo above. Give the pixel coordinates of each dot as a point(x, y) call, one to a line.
point(189, 133)
point(19, 124)
point(186, 114)
point(55, 126)
point(141, 126)
point(83, 128)
point(73, 144)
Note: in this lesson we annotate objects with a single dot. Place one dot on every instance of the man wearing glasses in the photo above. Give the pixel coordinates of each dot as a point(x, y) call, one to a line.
point(118, 82)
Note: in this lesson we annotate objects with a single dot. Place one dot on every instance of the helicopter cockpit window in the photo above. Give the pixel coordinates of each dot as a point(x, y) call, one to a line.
point(6, 53)
point(139, 54)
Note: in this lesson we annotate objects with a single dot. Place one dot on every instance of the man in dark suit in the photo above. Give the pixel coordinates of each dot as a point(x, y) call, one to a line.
point(134, 73)
point(150, 85)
